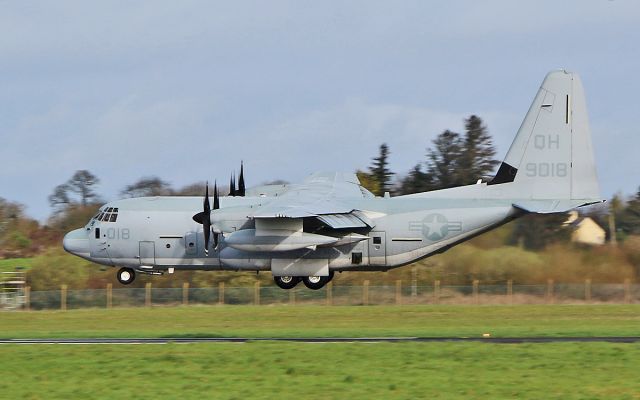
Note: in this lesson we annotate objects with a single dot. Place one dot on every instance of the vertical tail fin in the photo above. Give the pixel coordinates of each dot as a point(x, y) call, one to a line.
point(552, 156)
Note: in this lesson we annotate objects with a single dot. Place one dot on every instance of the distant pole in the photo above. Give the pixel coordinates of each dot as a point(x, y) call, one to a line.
point(510, 291)
point(256, 293)
point(220, 293)
point(398, 292)
point(147, 294)
point(330, 293)
point(476, 298)
point(587, 290)
point(63, 297)
point(109, 295)
point(550, 291)
point(185, 294)
point(365, 293)
point(436, 291)
point(27, 298)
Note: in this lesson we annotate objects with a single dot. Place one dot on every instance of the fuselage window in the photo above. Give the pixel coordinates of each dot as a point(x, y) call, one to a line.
point(377, 240)
point(356, 258)
point(113, 218)
point(106, 217)
point(97, 233)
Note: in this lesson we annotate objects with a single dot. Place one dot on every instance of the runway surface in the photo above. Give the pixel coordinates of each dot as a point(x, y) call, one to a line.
point(500, 340)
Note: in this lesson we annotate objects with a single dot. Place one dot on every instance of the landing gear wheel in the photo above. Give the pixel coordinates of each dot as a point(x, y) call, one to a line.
point(286, 282)
point(126, 275)
point(315, 282)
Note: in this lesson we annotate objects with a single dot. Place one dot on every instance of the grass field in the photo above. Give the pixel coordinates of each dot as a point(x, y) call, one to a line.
point(329, 370)
point(309, 321)
point(322, 371)
point(12, 263)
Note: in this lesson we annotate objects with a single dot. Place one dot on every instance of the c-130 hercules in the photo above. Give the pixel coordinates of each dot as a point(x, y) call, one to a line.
point(329, 222)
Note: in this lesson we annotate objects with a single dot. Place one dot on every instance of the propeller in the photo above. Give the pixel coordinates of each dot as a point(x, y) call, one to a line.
point(204, 217)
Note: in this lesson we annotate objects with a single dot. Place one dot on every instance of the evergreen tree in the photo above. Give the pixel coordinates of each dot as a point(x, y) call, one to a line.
point(629, 218)
point(416, 181)
point(380, 172)
point(444, 159)
point(476, 158)
point(537, 231)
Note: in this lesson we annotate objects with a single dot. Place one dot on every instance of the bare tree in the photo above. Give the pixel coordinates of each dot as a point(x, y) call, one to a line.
point(82, 183)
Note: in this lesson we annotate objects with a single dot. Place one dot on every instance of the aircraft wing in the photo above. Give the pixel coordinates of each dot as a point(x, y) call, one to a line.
point(321, 195)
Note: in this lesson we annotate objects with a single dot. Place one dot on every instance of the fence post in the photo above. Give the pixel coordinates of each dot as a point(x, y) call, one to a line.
point(627, 290)
point(220, 293)
point(63, 297)
point(330, 293)
point(365, 293)
point(109, 295)
point(256, 293)
point(510, 291)
point(587, 290)
point(414, 282)
point(549, 294)
point(398, 292)
point(147, 294)
point(292, 296)
point(185, 294)
point(436, 291)
point(27, 298)
point(476, 283)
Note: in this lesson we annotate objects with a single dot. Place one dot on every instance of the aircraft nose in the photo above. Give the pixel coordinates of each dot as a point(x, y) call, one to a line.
point(76, 242)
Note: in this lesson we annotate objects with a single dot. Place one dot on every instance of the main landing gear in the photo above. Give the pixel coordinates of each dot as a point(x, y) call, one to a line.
point(312, 282)
point(126, 275)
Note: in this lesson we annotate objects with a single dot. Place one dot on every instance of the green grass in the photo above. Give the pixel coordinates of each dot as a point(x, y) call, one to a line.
point(309, 321)
point(285, 370)
point(10, 264)
point(322, 371)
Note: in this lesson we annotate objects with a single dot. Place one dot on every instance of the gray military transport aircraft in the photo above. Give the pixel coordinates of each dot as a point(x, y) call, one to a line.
point(329, 222)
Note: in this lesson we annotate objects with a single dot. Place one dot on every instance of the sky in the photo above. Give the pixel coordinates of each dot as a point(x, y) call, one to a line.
point(185, 90)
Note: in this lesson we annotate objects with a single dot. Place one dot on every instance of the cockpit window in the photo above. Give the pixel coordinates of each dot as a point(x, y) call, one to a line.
point(109, 214)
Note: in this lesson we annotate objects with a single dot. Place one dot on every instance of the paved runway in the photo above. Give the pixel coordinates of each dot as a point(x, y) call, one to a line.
point(501, 340)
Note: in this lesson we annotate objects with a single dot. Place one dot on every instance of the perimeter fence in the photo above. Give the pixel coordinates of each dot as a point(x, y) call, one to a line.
point(333, 295)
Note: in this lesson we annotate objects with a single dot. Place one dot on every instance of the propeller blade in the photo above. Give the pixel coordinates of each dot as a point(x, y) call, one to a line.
point(206, 220)
point(216, 199)
point(241, 189)
point(232, 186)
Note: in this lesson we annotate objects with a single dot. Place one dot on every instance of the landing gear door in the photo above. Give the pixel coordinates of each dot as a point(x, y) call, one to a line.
point(147, 254)
point(377, 248)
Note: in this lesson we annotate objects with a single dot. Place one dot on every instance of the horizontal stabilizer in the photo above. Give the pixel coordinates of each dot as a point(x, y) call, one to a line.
point(551, 206)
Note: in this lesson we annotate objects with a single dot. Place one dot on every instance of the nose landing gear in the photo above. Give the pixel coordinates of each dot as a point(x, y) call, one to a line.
point(126, 275)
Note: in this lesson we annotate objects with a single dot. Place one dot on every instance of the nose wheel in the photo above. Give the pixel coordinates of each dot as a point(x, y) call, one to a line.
point(126, 276)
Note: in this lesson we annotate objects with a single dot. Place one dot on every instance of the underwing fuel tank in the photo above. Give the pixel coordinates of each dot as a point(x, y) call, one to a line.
point(247, 240)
